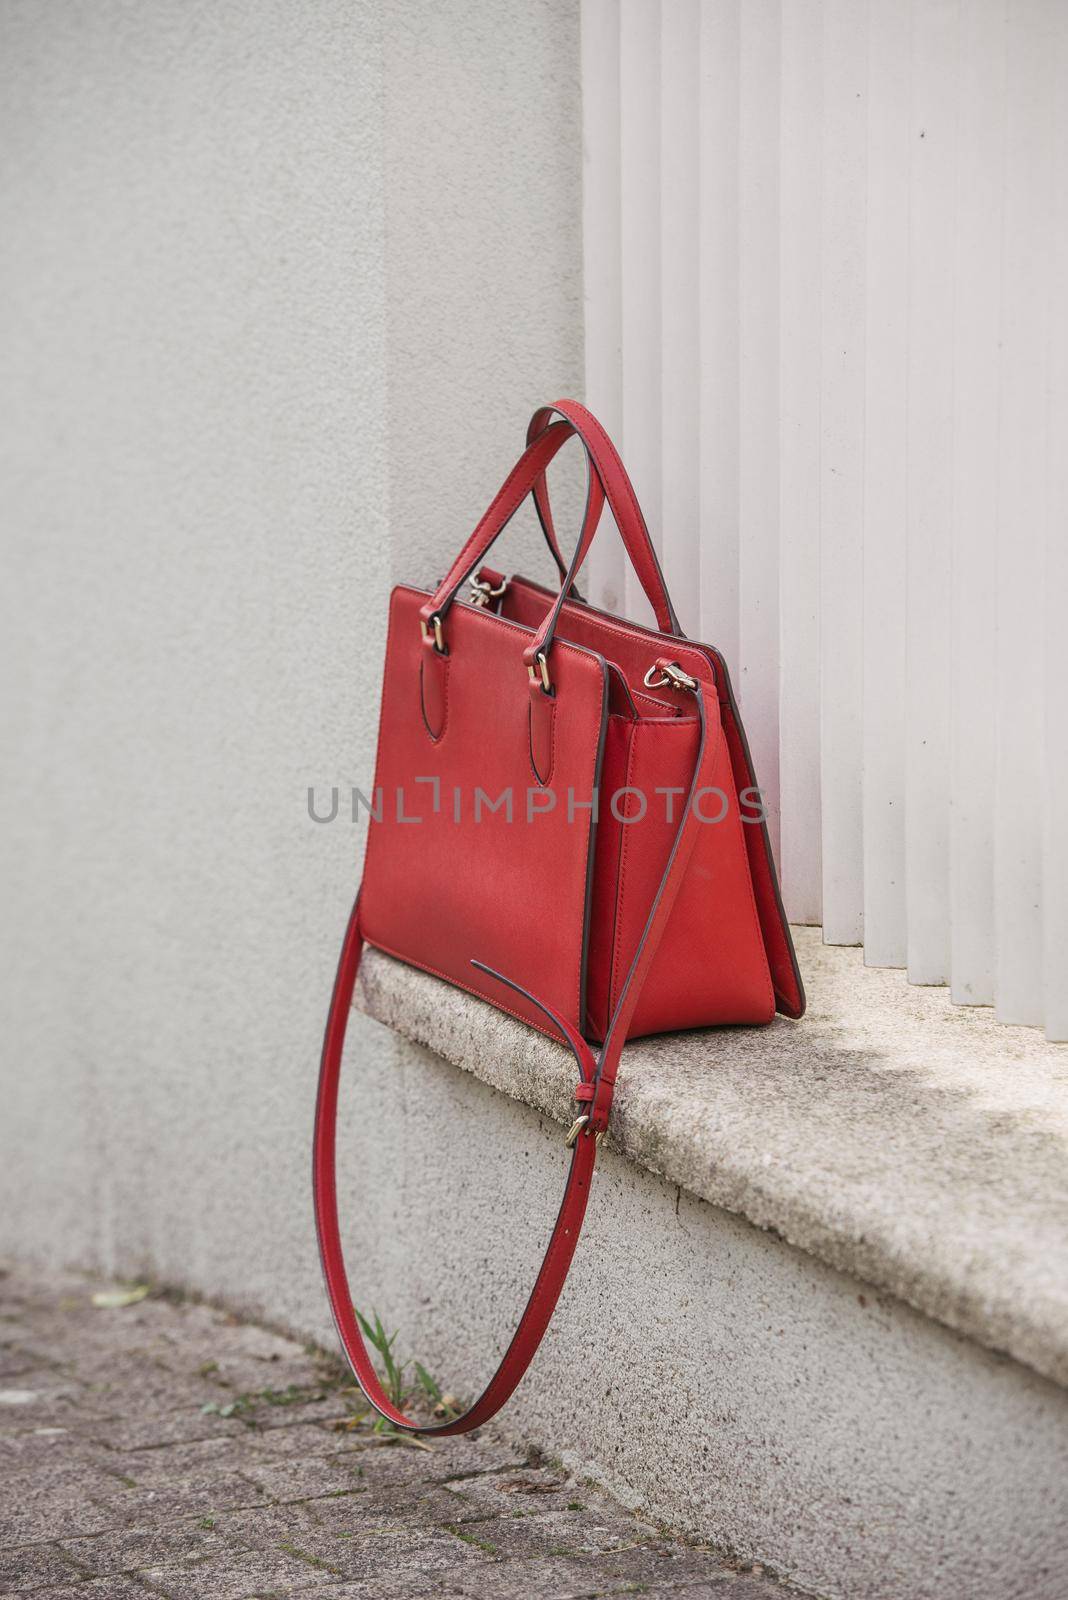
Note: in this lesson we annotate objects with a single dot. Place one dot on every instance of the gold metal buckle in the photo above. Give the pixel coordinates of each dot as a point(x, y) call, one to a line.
point(482, 592)
point(670, 673)
point(439, 636)
point(577, 1127)
point(543, 668)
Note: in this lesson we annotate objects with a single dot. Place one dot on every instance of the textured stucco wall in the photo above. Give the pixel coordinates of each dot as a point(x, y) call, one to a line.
point(280, 285)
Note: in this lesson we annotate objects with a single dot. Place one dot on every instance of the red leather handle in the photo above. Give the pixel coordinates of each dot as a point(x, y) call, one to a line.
point(505, 503)
point(606, 479)
point(594, 1095)
point(622, 501)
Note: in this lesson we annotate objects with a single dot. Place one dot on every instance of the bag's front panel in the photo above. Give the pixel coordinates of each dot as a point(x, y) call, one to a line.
point(471, 857)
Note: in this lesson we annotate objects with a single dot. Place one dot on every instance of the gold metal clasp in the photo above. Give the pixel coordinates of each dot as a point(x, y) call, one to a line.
point(482, 592)
point(669, 673)
point(577, 1127)
point(439, 636)
point(543, 668)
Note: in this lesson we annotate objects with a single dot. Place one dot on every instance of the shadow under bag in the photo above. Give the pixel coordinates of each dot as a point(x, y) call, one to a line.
point(591, 854)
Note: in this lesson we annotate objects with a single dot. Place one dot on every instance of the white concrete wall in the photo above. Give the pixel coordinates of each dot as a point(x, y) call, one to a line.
point(280, 286)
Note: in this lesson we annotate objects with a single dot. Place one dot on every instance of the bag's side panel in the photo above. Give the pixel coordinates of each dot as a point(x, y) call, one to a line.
point(472, 858)
point(711, 966)
point(789, 990)
point(605, 897)
point(631, 646)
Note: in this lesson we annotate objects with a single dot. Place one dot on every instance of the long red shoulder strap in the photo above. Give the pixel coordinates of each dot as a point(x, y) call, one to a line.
point(597, 1077)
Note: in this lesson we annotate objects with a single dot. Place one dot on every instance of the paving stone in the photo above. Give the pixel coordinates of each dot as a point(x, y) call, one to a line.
point(128, 1550)
point(402, 1548)
point(727, 1586)
point(564, 1578)
point(59, 1479)
point(153, 1508)
point(550, 1533)
point(114, 1588)
point(445, 1461)
point(48, 1405)
point(526, 1493)
point(385, 1505)
point(319, 1413)
point(17, 1362)
point(236, 1576)
point(20, 1452)
point(297, 1437)
point(188, 1461)
point(297, 1432)
point(142, 1386)
point(117, 1483)
point(297, 1478)
point(31, 1566)
point(403, 1587)
point(252, 1527)
point(148, 1432)
point(44, 1514)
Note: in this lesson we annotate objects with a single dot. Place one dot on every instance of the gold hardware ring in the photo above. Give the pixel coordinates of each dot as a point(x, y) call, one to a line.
point(439, 636)
point(670, 673)
point(543, 668)
point(577, 1127)
point(482, 592)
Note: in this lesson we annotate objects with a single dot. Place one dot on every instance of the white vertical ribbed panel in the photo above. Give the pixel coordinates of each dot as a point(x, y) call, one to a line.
point(640, 211)
point(758, 391)
point(601, 260)
point(826, 244)
point(716, 333)
point(973, 592)
point(932, 128)
point(886, 346)
point(1026, 303)
point(800, 145)
point(842, 346)
point(680, 244)
point(1055, 739)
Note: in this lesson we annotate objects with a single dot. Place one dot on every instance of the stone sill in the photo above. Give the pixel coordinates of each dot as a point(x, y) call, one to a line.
point(920, 1146)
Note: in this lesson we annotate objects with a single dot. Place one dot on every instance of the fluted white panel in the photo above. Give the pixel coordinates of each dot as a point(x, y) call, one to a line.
point(640, 209)
point(826, 245)
point(679, 279)
point(932, 128)
point(757, 662)
point(1026, 305)
point(842, 349)
point(716, 333)
point(800, 183)
point(976, 418)
point(1055, 740)
point(602, 266)
point(886, 257)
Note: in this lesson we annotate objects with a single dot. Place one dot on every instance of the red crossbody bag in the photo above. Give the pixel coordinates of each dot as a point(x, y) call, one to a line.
point(627, 885)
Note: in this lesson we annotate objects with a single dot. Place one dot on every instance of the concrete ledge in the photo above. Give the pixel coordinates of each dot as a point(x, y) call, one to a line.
point(918, 1146)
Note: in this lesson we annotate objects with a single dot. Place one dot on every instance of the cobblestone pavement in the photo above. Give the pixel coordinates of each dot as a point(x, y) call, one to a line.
point(166, 1448)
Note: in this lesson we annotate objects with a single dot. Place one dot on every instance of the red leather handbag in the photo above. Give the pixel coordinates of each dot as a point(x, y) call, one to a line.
point(599, 773)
